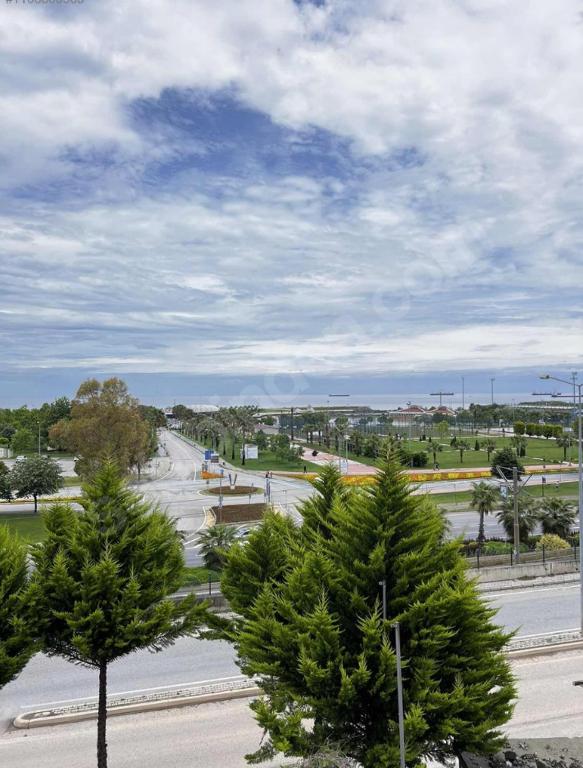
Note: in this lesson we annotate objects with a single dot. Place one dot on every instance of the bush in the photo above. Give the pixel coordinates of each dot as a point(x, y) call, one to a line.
point(552, 543)
point(519, 427)
point(501, 548)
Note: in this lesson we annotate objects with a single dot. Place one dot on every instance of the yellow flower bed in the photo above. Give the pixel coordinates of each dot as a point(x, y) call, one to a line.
point(209, 476)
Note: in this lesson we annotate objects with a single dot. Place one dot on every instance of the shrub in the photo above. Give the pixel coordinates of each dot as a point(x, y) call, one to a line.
point(552, 543)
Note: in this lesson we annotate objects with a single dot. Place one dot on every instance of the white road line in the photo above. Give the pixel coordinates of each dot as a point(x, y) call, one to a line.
point(533, 590)
point(46, 704)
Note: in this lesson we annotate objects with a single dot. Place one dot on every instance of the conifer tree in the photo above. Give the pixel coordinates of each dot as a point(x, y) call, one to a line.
point(102, 579)
point(16, 645)
point(316, 638)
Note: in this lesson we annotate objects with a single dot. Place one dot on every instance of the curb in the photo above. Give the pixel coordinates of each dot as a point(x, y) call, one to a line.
point(545, 650)
point(42, 719)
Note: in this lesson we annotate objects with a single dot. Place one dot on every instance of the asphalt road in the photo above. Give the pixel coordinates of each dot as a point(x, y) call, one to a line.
point(218, 735)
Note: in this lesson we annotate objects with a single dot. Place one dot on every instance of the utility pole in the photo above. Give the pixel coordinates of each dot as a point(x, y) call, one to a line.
point(577, 387)
point(397, 628)
point(516, 518)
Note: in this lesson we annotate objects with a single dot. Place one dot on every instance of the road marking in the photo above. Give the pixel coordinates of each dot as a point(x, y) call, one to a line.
point(46, 704)
point(565, 586)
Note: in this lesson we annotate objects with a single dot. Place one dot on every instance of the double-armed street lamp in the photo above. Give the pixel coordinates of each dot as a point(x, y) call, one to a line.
point(576, 388)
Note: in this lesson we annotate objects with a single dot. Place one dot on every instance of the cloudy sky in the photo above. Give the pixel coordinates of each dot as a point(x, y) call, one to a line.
point(247, 188)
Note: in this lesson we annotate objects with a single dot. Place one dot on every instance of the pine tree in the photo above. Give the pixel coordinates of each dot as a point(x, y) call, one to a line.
point(102, 579)
point(16, 645)
point(316, 639)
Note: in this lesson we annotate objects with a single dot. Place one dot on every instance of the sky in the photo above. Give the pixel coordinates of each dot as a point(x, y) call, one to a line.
point(243, 192)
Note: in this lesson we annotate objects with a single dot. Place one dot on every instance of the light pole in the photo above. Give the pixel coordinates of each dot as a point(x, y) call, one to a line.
point(577, 387)
point(38, 425)
point(397, 627)
point(463, 393)
point(492, 380)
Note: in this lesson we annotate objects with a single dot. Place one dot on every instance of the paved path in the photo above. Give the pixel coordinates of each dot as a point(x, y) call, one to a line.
point(219, 735)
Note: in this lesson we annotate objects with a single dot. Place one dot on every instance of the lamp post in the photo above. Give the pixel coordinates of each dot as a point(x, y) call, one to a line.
point(38, 425)
point(492, 380)
point(577, 387)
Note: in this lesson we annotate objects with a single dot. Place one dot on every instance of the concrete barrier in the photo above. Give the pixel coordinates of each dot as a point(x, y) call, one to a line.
point(523, 571)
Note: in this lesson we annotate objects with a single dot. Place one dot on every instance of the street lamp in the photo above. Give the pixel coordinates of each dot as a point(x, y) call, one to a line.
point(576, 387)
point(492, 380)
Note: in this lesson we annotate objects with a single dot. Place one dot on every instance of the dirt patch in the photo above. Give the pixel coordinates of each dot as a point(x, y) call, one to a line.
point(238, 490)
point(239, 513)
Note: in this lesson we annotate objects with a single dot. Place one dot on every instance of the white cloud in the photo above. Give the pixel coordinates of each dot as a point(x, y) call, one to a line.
point(465, 126)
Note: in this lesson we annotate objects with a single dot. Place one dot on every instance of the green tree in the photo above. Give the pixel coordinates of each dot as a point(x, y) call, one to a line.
point(489, 445)
point(23, 441)
point(435, 449)
point(315, 637)
point(214, 544)
point(485, 499)
point(564, 442)
point(519, 444)
point(504, 460)
point(528, 516)
point(463, 446)
point(36, 476)
point(102, 579)
point(5, 487)
point(519, 427)
point(442, 429)
point(16, 644)
point(105, 423)
point(557, 516)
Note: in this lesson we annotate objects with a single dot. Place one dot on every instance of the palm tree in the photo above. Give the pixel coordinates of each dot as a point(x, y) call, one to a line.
point(489, 445)
point(214, 543)
point(485, 498)
point(528, 516)
point(462, 445)
point(557, 516)
point(520, 444)
point(435, 449)
point(564, 442)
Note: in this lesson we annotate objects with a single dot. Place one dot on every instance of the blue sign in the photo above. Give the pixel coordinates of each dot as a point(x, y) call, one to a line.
point(208, 454)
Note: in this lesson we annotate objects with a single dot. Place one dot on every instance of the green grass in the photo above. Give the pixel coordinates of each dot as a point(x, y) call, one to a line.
point(29, 527)
point(71, 482)
point(197, 575)
point(565, 490)
point(267, 460)
point(539, 451)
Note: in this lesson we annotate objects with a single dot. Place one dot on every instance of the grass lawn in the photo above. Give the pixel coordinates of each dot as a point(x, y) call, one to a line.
point(28, 527)
point(267, 461)
point(538, 451)
point(70, 482)
point(197, 575)
point(565, 490)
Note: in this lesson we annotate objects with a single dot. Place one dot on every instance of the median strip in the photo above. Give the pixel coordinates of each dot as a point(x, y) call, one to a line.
point(125, 705)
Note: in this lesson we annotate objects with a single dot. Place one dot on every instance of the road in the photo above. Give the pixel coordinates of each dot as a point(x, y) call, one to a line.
point(47, 681)
point(218, 735)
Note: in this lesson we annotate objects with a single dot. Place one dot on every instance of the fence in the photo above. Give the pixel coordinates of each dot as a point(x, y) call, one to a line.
point(543, 556)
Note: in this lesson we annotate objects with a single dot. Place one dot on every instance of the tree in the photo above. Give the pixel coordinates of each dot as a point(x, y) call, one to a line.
point(489, 446)
point(463, 446)
point(23, 441)
point(564, 442)
point(214, 544)
point(485, 498)
point(442, 429)
point(5, 487)
point(315, 637)
point(528, 516)
point(504, 460)
point(557, 516)
point(105, 423)
point(519, 427)
point(519, 444)
point(36, 476)
point(16, 644)
point(435, 449)
point(102, 579)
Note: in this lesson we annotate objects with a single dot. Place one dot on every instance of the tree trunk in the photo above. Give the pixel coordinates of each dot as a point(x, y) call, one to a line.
point(35, 497)
point(102, 717)
point(481, 534)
